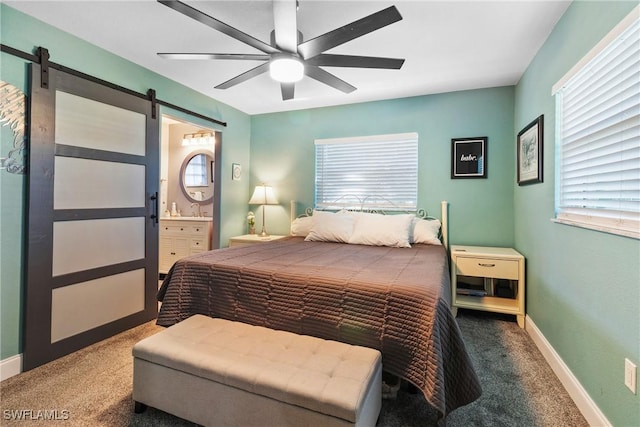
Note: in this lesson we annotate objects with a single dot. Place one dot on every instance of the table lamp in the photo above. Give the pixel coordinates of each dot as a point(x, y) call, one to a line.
point(263, 195)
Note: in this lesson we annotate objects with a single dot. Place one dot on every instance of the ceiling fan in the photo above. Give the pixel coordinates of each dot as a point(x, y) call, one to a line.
point(287, 57)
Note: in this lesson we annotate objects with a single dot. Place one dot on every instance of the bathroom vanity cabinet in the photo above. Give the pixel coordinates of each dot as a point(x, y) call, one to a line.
point(181, 237)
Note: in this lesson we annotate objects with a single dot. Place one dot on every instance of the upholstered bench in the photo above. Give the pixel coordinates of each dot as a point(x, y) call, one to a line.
point(215, 372)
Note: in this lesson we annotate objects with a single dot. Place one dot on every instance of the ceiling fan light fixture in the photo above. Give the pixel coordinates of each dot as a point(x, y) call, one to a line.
point(286, 69)
point(287, 57)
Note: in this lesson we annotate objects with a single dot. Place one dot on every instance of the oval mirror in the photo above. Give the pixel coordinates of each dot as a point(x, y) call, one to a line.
point(196, 176)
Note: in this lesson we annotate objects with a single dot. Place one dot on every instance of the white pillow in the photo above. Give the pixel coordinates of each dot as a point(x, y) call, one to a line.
point(330, 227)
point(426, 231)
point(301, 226)
point(382, 230)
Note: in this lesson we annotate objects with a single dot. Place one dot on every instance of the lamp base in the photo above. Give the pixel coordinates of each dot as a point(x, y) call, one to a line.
point(264, 233)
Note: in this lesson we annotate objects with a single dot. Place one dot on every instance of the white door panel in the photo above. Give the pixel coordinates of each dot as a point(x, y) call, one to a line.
point(83, 122)
point(91, 184)
point(87, 244)
point(83, 306)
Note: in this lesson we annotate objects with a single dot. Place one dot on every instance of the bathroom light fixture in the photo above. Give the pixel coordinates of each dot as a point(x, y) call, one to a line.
point(286, 68)
point(263, 195)
point(198, 138)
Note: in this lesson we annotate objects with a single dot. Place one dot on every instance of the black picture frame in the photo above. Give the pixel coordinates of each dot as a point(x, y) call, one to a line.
point(530, 144)
point(469, 157)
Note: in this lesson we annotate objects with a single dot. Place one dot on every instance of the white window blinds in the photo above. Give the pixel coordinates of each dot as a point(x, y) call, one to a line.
point(373, 171)
point(598, 137)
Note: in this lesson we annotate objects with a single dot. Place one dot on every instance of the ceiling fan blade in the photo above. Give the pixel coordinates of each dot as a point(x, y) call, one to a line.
point(351, 31)
point(263, 68)
point(202, 56)
point(210, 21)
point(327, 78)
point(285, 25)
point(329, 60)
point(287, 90)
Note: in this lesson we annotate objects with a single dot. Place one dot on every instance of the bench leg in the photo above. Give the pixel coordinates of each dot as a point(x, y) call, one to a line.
point(139, 408)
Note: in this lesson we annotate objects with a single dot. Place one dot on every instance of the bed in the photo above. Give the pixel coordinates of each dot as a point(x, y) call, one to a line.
point(394, 299)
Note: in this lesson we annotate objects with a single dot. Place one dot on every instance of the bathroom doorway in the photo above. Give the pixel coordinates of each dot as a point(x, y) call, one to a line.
point(190, 172)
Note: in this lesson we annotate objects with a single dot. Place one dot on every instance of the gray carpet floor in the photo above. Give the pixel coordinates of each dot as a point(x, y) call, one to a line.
point(92, 387)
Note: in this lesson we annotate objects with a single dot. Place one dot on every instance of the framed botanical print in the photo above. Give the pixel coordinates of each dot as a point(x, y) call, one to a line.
point(469, 157)
point(529, 148)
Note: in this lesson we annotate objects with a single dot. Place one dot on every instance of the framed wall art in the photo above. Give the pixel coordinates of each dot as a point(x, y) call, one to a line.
point(529, 148)
point(236, 172)
point(469, 157)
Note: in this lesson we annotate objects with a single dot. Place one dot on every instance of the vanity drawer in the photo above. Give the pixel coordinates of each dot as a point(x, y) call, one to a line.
point(198, 244)
point(175, 229)
point(198, 229)
point(487, 267)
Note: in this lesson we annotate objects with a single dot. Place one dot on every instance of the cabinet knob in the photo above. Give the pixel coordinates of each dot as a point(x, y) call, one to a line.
point(181, 229)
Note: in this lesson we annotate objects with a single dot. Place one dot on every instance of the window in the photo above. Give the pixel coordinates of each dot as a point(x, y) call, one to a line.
point(598, 136)
point(372, 172)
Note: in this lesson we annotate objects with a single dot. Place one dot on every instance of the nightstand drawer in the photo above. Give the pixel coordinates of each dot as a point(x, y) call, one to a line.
point(487, 267)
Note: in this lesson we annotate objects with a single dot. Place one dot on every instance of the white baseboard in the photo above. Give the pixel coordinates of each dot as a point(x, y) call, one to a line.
point(10, 366)
point(583, 401)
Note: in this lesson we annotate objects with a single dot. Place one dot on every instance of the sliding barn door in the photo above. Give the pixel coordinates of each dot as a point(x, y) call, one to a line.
point(92, 248)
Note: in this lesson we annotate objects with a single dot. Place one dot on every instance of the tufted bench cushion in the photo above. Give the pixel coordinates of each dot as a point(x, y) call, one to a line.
point(193, 368)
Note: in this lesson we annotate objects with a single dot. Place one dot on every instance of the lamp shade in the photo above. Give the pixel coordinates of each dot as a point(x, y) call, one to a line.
point(263, 195)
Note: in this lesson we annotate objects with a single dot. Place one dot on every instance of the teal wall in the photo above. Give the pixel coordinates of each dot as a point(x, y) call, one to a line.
point(583, 286)
point(481, 210)
point(25, 33)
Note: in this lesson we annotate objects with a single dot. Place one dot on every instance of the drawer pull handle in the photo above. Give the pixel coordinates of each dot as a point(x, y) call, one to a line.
point(486, 265)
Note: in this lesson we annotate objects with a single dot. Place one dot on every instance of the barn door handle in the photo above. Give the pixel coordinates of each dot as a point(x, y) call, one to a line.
point(154, 215)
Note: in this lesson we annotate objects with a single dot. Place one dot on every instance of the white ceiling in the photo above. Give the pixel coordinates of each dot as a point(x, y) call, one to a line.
point(448, 45)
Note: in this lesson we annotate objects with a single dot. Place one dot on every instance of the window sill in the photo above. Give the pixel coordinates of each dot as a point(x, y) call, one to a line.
point(598, 227)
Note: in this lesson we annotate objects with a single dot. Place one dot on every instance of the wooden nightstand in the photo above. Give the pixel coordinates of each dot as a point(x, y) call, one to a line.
point(489, 279)
point(252, 239)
